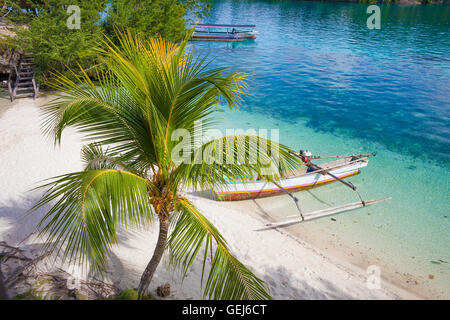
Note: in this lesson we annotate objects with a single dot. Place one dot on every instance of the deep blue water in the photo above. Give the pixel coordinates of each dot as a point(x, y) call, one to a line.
point(320, 62)
point(331, 85)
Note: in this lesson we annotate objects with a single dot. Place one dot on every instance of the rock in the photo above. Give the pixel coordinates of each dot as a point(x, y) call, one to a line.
point(164, 290)
point(73, 293)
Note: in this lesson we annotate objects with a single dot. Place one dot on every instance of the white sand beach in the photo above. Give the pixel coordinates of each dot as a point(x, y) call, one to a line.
point(292, 268)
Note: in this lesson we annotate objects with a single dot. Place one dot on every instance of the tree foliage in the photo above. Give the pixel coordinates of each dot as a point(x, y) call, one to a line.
point(42, 27)
point(42, 30)
point(151, 17)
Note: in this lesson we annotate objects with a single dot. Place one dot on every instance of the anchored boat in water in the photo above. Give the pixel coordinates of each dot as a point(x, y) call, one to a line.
point(310, 176)
point(300, 179)
point(223, 32)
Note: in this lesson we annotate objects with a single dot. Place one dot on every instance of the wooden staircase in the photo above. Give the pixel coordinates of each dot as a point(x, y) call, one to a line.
point(22, 82)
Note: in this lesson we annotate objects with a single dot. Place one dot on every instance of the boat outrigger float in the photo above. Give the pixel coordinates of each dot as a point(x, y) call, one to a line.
point(303, 178)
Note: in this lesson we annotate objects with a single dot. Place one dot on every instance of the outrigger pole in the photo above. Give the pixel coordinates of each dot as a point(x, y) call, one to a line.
point(351, 155)
point(324, 171)
point(324, 212)
point(293, 197)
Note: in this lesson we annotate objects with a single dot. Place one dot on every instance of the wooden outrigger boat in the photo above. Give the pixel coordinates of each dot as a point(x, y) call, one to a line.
point(223, 32)
point(301, 179)
point(295, 181)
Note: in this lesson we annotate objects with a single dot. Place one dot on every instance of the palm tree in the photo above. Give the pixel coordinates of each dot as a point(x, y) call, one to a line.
point(147, 90)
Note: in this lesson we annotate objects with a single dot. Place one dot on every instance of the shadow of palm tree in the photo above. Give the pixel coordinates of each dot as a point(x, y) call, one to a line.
point(18, 223)
point(285, 285)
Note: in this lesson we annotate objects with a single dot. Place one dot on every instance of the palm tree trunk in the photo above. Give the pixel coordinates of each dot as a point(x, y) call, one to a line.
point(147, 276)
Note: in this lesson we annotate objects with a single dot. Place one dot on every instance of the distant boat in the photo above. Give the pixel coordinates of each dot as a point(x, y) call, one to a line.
point(223, 32)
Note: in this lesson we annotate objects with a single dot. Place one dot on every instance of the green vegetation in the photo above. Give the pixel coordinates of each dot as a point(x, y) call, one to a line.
point(30, 294)
point(149, 89)
point(127, 294)
point(54, 46)
point(42, 29)
point(132, 294)
point(153, 17)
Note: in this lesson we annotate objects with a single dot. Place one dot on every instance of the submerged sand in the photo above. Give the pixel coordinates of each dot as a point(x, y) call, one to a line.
point(292, 267)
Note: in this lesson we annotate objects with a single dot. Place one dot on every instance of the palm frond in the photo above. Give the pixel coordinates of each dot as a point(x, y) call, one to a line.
point(234, 157)
point(174, 87)
point(228, 278)
point(95, 157)
point(105, 113)
point(89, 207)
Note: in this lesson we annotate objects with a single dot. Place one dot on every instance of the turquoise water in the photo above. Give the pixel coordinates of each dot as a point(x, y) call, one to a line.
point(331, 85)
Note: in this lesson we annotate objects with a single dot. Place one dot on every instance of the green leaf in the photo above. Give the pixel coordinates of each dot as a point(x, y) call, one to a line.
point(235, 157)
point(228, 278)
point(88, 210)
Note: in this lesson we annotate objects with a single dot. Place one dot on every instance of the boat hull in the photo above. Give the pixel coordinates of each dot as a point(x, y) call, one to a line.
point(221, 38)
point(260, 189)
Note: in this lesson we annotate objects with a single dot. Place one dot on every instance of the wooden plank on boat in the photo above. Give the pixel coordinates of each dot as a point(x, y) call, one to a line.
point(325, 212)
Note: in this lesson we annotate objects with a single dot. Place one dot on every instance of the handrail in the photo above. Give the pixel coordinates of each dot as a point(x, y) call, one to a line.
point(33, 80)
point(14, 90)
point(14, 77)
point(9, 87)
point(12, 65)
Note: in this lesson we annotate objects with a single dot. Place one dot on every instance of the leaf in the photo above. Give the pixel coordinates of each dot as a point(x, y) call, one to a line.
point(240, 156)
point(89, 207)
point(228, 278)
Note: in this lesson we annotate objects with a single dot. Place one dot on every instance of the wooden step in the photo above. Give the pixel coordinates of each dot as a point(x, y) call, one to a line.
point(24, 95)
point(25, 85)
point(22, 90)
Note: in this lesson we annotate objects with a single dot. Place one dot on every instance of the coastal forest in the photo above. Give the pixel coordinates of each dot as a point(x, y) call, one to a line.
point(48, 30)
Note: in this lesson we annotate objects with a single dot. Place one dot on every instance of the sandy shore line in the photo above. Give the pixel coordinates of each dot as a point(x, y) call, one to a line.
point(292, 268)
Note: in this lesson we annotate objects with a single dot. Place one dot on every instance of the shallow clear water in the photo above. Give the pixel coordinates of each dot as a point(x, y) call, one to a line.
point(333, 86)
